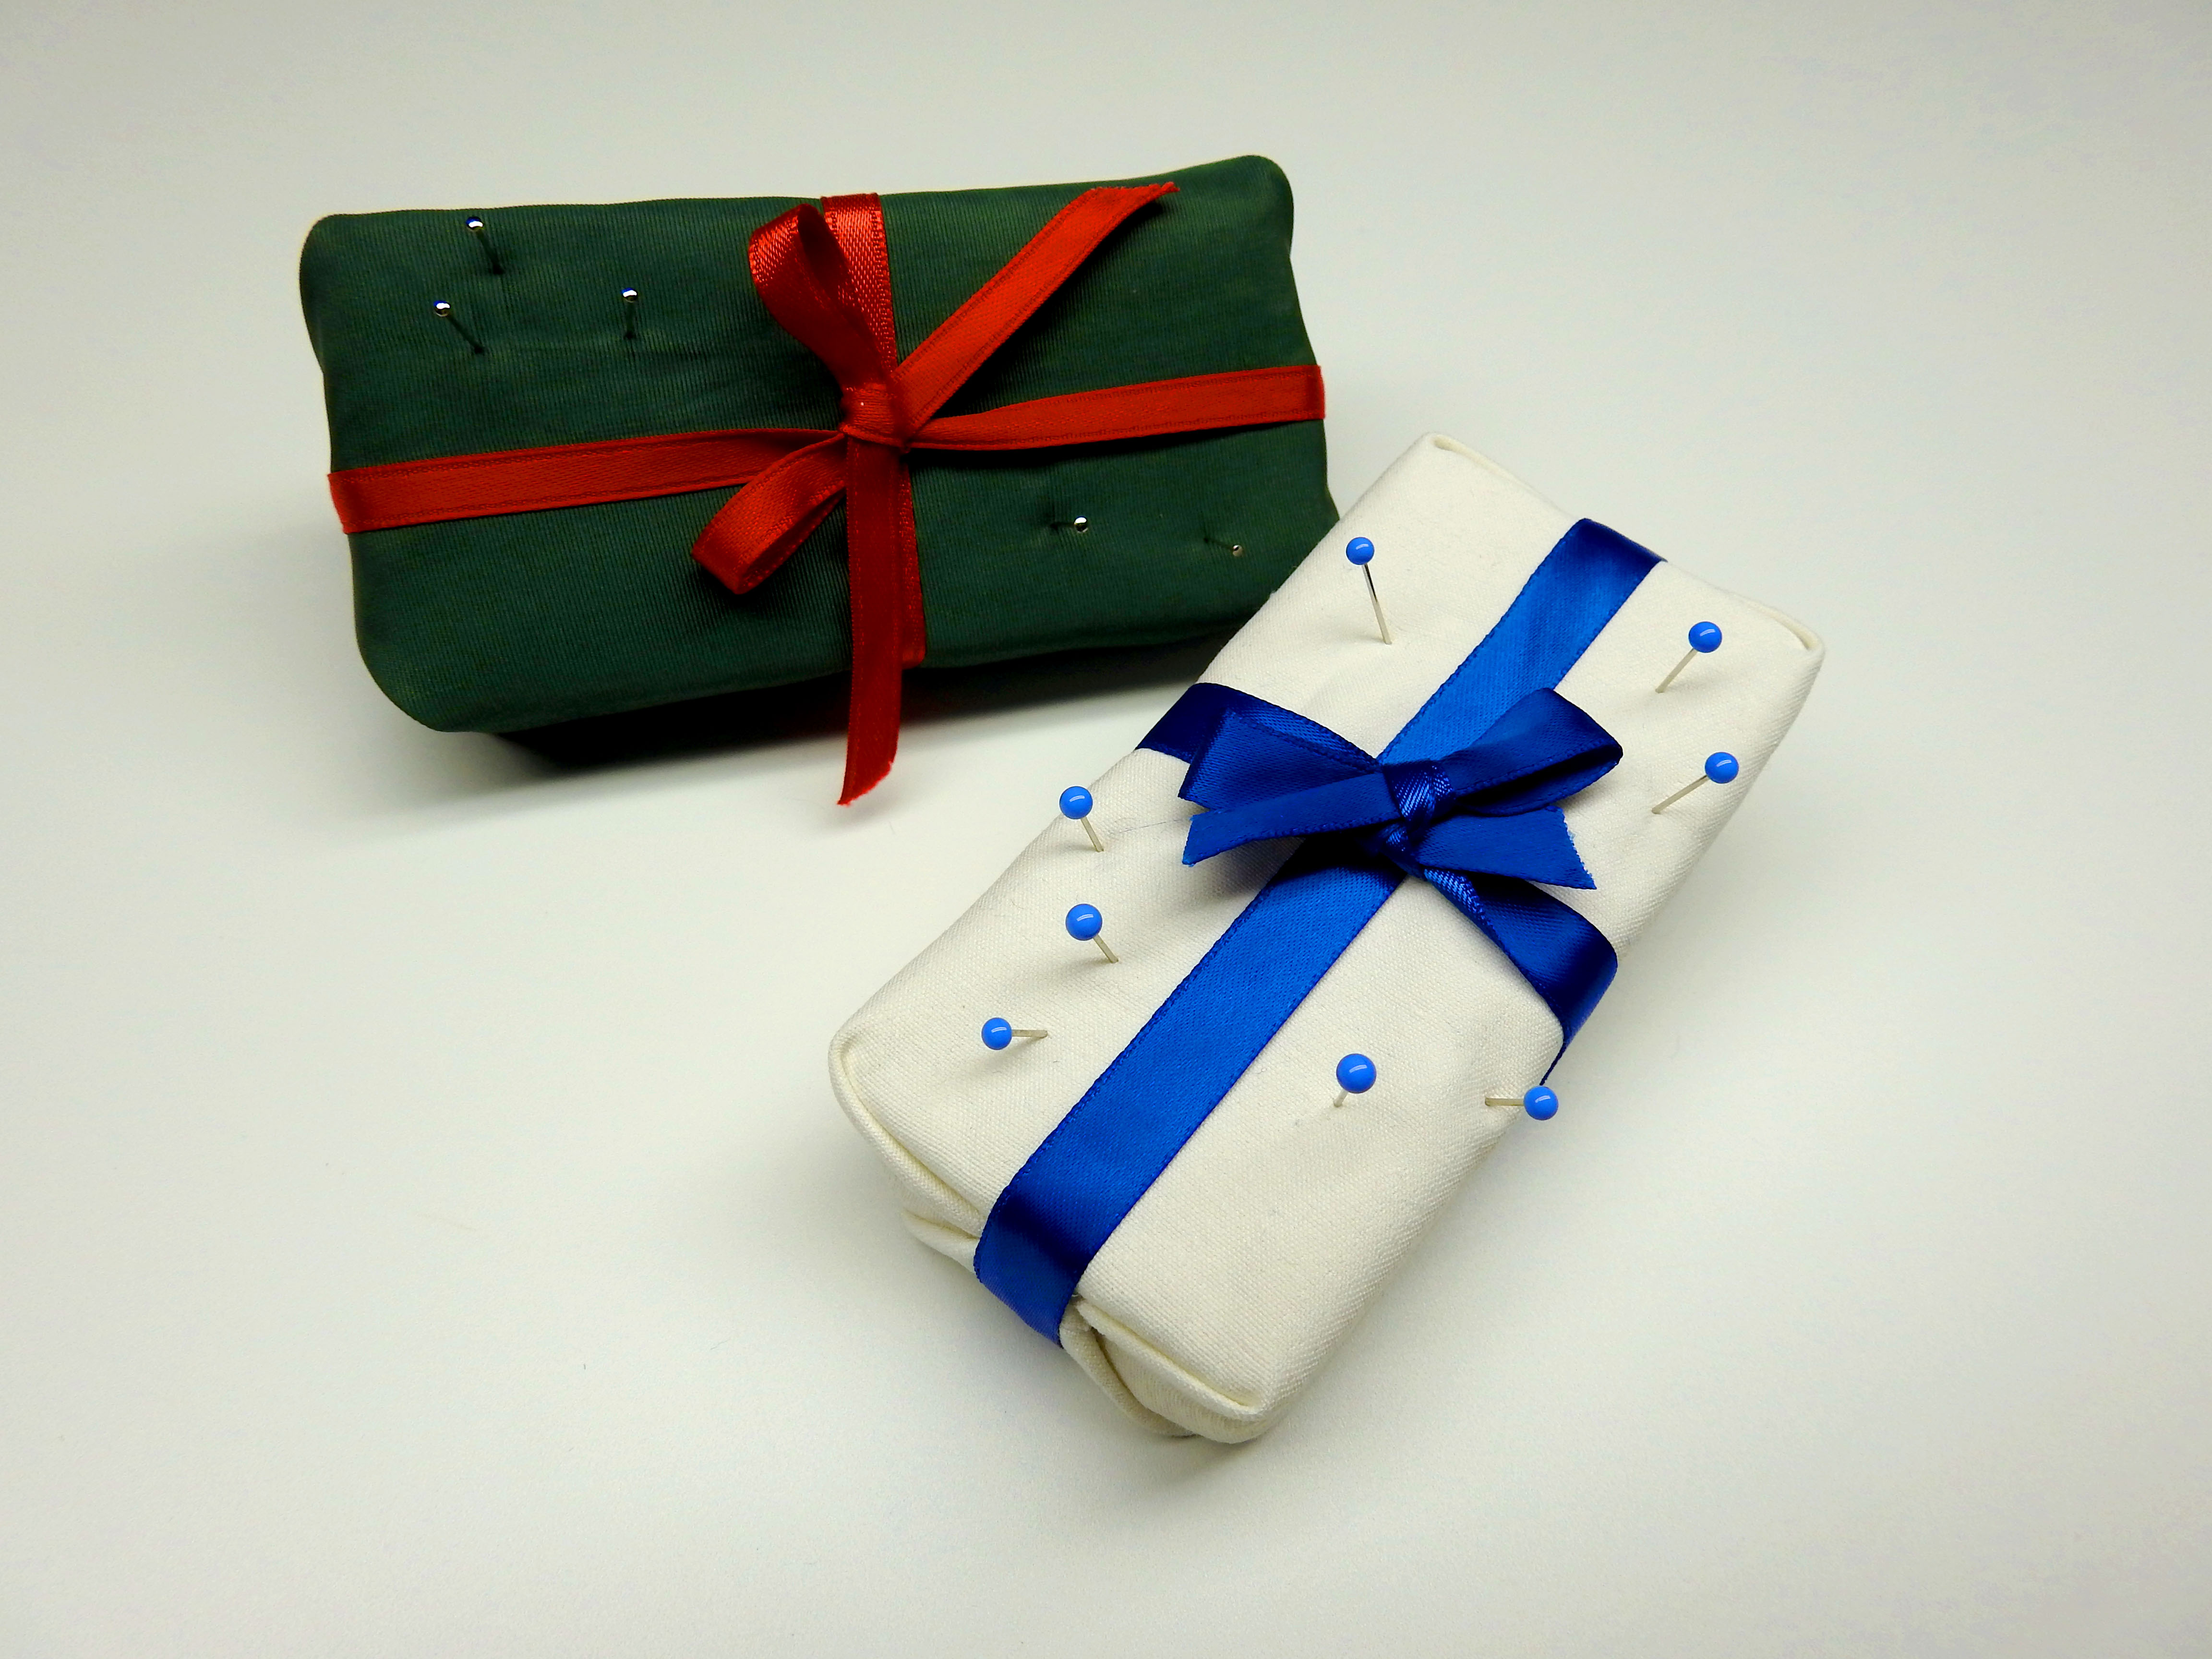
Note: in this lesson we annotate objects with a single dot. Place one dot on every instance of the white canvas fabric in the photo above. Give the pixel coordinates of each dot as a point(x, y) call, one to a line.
point(1221, 1295)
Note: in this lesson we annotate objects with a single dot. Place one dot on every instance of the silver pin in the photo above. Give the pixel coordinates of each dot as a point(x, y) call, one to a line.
point(1078, 523)
point(1704, 638)
point(629, 313)
point(482, 231)
point(1361, 552)
point(444, 310)
point(1720, 768)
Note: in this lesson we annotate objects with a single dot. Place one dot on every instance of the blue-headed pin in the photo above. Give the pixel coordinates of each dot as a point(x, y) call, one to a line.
point(1361, 552)
point(1355, 1075)
point(1720, 768)
point(998, 1033)
point(1705, 640)
point(1083, 922)
point(1075, 803)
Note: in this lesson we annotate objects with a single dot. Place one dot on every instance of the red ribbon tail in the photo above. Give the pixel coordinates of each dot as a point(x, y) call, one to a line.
point(876, 510)
point(913, 627)
point(871, 731)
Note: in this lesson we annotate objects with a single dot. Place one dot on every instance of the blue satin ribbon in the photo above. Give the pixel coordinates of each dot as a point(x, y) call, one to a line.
point(1467, 796)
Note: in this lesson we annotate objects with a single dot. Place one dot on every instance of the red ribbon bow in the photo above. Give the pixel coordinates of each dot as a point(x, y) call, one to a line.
point(825, 277)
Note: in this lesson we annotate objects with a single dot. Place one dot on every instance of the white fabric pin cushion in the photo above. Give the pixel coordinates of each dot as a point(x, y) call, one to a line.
point(1165, 1182)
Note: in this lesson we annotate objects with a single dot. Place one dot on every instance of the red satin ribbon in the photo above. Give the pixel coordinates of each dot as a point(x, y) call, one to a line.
point(825, 277)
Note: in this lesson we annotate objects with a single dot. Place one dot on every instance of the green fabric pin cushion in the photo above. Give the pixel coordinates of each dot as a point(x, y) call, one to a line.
point(529, 350)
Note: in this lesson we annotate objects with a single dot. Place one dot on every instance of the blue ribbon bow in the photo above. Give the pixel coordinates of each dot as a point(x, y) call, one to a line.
point(1478, 824)
point(1467, 796)
point(1491, 808)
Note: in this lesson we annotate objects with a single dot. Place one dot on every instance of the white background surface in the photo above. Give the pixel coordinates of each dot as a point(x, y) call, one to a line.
point(424, 1226)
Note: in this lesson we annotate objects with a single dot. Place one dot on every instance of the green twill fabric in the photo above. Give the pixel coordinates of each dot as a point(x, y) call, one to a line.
point(508, 622)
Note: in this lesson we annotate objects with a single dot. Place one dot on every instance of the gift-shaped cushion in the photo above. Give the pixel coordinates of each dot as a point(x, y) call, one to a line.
point(593, 459)
point(1425, 854)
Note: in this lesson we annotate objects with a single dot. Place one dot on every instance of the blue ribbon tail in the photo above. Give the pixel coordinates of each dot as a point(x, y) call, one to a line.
point(1348, 804)
point(1241, 748)
point(1568, 962)
point(1534, 845)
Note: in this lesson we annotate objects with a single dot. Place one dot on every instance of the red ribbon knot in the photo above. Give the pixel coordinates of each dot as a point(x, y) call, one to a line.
point(874, 416)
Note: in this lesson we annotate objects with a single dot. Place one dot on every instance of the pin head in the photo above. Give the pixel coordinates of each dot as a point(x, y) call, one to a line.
point(1359, 550)
point(1721, 766)
point(1355, 1074)
point(1705, 637)
point(1075, 802)
point(1541, 1103)
point(443, 307)
point(997, 1033)
point(1083, 922)
point(629, 296)
point(472, 223)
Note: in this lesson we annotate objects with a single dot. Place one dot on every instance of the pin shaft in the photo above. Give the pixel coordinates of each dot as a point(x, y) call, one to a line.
point(1104, 950)
point(1697, 782)
point(1689, 657)
point(444, 312)
point(1097, 845)
point(482, 231)
point(1381, 622)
